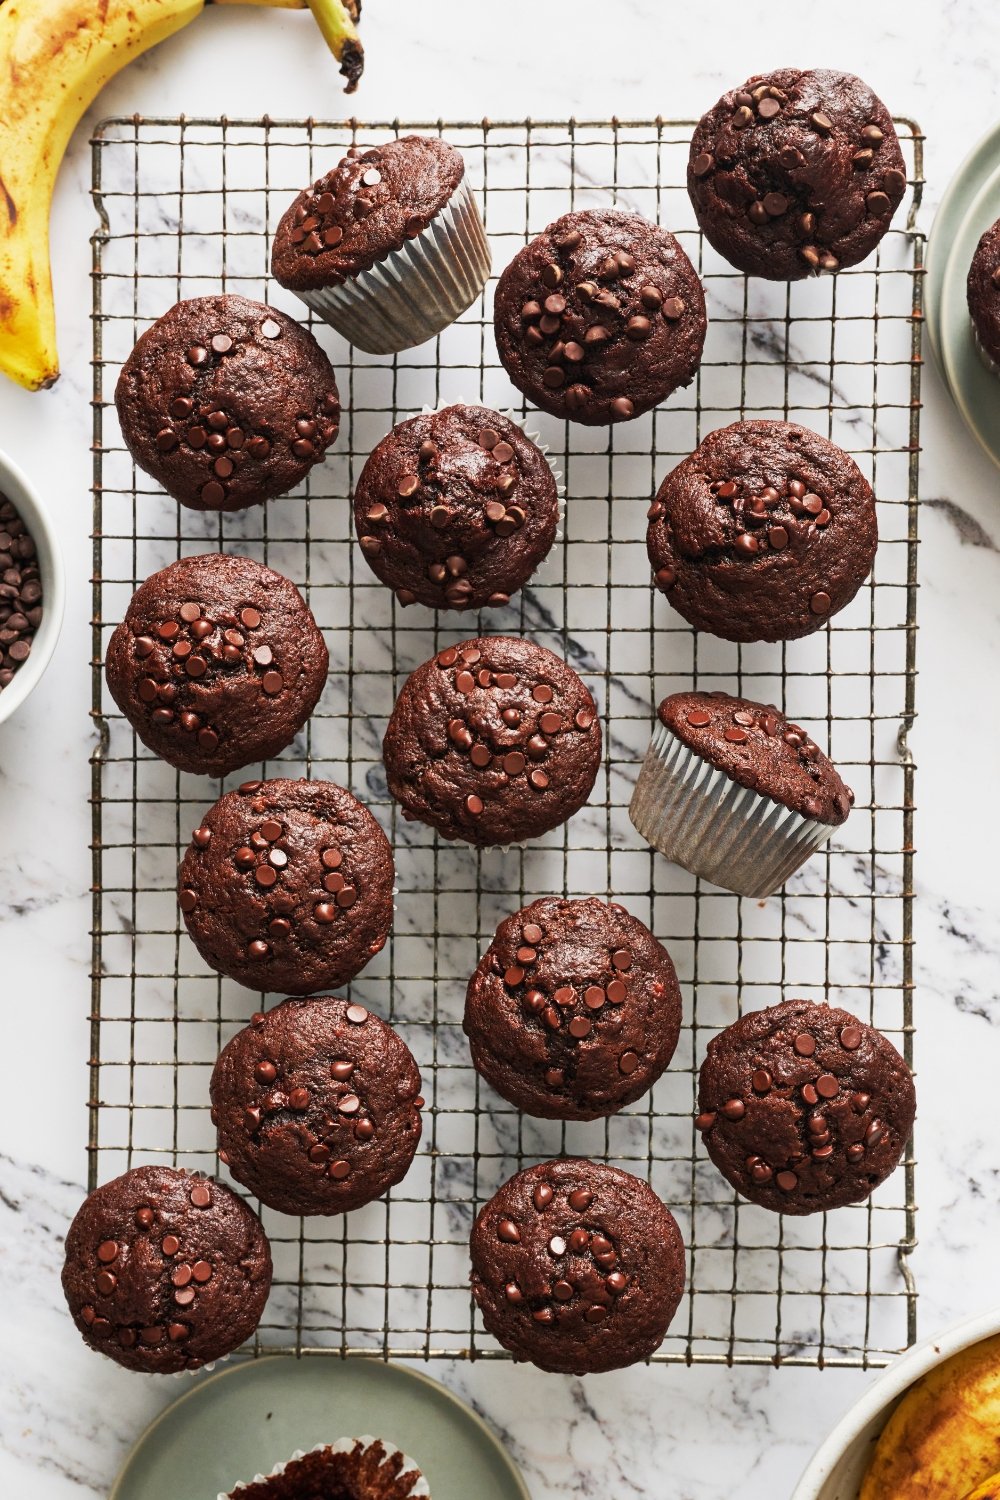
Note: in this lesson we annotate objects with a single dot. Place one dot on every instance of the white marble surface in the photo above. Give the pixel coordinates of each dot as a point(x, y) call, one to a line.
point(65, 1418)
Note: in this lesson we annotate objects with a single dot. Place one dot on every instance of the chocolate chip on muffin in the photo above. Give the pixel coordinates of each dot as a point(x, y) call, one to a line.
point(600, 317)
point(317, 1105)
point(455, 509)
point(574, 1010)
point(763, 533)
point(227, 402)
point(165, 1270)
point(577, 1267)
point(983, 292)
point(803, 1107)
point(287, 886)
point(493, 741)
point(796, 172)
point(217, 663)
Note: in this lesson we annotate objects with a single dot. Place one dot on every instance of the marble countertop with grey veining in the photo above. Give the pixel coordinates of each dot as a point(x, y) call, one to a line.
point(679, 1433)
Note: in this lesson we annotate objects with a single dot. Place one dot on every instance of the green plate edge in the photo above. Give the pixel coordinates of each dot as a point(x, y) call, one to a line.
point(247, 1418)
point(980, 164)
point(975, 390)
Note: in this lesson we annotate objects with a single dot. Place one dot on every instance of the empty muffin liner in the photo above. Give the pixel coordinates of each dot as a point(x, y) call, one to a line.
point(410, 1484)
point(416, 291)
point(707, 823)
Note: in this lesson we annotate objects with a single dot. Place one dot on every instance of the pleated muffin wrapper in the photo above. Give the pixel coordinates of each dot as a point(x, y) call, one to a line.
point(409, 1484)
point(713, 827)
point(415, 292)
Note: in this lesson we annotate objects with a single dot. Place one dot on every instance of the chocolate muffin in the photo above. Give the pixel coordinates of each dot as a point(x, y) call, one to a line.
point(803, 1107)
point(350, 1469)
point(577, 1267)
point(287, 886)
point(734, 792)
point(217, 663)
point(455, 509)
point(600, 318)
point(389, 246)
point(317, 1104)
point(763, 533)
point(227, 402)
point(983, 290)
point(494, 741)
point(574, 1010)
point(796, 172)
point(165, 1270)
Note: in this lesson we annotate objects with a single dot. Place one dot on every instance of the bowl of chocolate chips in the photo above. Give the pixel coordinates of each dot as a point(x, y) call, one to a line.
point(32, 588)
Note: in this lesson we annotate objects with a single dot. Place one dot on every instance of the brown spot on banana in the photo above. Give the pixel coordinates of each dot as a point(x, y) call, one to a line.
point(9, 204)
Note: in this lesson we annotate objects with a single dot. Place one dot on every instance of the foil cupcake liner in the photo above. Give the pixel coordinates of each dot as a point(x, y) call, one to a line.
point(986, 359)
point(417, 291)
point(418, 1490)
point(707, 823)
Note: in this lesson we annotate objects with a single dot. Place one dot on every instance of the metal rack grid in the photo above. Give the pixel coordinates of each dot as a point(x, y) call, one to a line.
point(186, 207)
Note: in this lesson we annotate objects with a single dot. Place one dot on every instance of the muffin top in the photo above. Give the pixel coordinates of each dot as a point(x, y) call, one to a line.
point(804, 1107)
point(227, 402)
point(492, 741)
point(351, 1469)
point(763, 533)
point(983, 288)
point(577, 1266)
point(574, 1010)
point(165, 1270)
point(455, 509)
point(317, 1104)
point(796, 172)
point(369, 205)
point(287, 886)
point(600, 317)
point(217, 663)
point(754, 744)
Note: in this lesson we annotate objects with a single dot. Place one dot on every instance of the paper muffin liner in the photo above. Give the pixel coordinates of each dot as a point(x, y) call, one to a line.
point(416, 291)
point(707, 823)
point(418, 1490)
point(985, 358)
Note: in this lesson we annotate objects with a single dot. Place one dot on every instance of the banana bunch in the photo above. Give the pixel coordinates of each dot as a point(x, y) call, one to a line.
point(55, 57)
point(942, 1442)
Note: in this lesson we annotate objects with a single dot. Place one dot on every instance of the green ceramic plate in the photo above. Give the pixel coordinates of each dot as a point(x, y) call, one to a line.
point(975, 390)
point(980, 165)
point(253, 1415)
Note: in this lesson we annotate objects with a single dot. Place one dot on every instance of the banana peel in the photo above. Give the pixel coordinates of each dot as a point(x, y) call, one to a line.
point(944, 1436)
point(990, 1490)
point(55, 57)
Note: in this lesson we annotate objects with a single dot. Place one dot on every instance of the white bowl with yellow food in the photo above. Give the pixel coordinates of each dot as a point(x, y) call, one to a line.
point(928, 1429)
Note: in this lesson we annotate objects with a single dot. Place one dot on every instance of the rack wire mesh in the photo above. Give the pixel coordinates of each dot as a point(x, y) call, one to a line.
point(186, 207)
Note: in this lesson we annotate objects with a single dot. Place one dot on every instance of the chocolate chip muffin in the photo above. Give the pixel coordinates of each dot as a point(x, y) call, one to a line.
point(455, 509)
point(165, 1270)
point(803, 1107)
point(983, 290)
point(735, 793)
point(574, 1010)
point(350, 1469)
point(227, 402)
point(764, 533)
point(389, 246)
point(577, 1267)
point(287, 886)
point(600, 318)
point(494, 741)
point(796, 172)
point(317, 1105)
point(217, 663)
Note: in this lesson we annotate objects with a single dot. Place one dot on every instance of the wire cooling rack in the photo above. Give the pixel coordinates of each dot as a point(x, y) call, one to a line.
point(186, 207)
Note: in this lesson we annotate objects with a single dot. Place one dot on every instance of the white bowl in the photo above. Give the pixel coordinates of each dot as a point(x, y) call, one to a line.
point(837, 1469)
point(16, 487)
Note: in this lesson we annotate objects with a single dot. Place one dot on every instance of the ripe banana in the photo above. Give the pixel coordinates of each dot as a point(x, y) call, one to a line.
point(988, 1491)
point(944, 1436)
point(55, 57)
